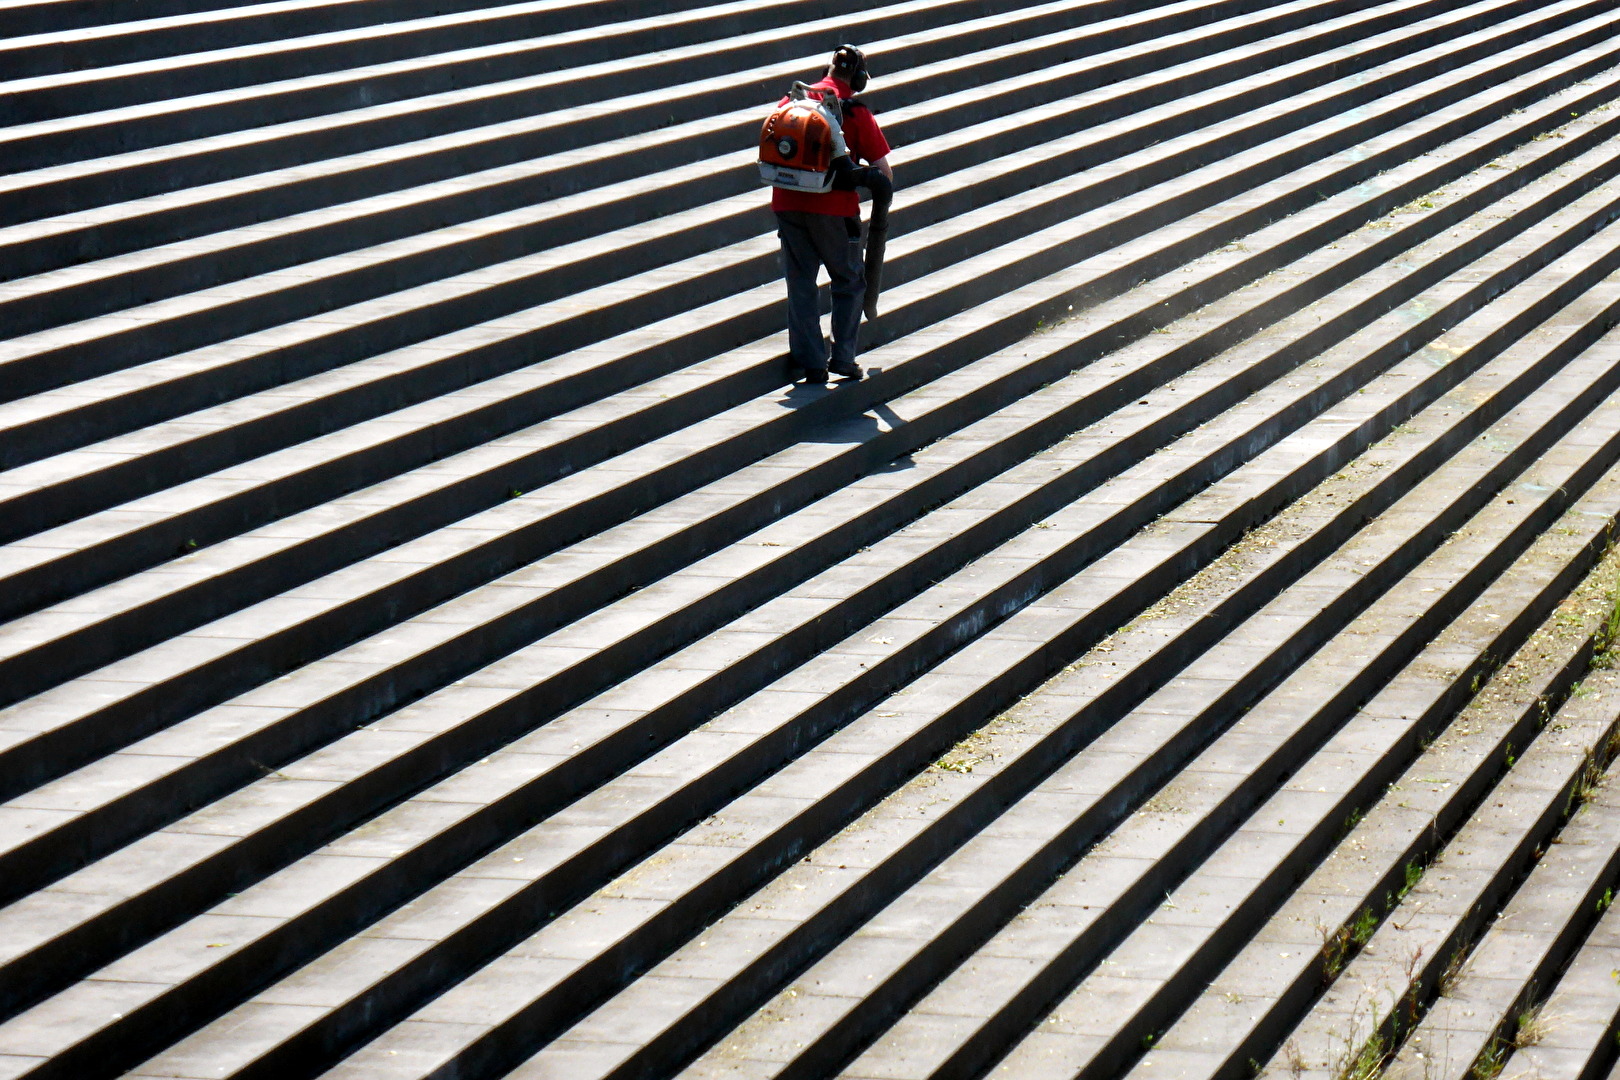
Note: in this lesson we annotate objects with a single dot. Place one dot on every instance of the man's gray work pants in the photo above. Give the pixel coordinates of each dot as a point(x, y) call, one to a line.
point(811, 241)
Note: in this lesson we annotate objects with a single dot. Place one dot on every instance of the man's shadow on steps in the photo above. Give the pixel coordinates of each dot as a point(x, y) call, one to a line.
point(862, 427)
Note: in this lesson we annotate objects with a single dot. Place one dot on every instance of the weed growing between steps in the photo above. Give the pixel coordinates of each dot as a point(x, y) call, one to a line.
point(1489, 1063)
point(1586, 623)
point(1340, 944)
point(1608, 635)
point(1531, 1027)
point(1528, 1030)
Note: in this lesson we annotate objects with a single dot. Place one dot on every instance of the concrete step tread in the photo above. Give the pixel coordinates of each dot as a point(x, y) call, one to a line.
point(1384, 856)
point(1490, 1002)
point(1074, 1036)
point(1479, 864)
point(259, 233)
point(1577, 1021)
point(433, 641)
point(585, 200)
point(87, 330)
point(930, 399)
point(1200, 698)
point(1121, 425)
point(872, 562)
point(958, 272)
point(506, 20)
point(479, 75)
point(120, 599)
point(229, 711)
point(553, 125)
point(41, 17)
point(896, 90)
point(245, 13)
point(966, 270)
point(815, 769)
point(545, 50)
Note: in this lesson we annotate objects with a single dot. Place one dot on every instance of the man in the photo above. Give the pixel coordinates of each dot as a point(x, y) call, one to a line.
point(824, 229)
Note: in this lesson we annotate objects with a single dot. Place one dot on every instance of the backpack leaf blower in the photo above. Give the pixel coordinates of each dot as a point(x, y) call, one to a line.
point(801, 146)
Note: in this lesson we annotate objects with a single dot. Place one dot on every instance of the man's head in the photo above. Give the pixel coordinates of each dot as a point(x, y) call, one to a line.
point(849, 65)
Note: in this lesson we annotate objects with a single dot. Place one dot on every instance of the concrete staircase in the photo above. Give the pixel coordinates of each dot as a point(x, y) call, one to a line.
point(438, 643)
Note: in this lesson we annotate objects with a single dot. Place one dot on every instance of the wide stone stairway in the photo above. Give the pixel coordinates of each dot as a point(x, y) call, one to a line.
point(438, 642)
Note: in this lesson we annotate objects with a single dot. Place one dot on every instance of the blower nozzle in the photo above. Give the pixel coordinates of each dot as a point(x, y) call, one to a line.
point(877, 228)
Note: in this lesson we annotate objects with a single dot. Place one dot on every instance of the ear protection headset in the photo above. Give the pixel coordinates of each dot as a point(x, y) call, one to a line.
point(849, 65)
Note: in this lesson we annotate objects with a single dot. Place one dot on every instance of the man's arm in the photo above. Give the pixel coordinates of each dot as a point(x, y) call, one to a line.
point(868, 137)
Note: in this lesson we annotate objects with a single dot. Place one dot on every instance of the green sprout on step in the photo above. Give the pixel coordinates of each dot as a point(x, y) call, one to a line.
point(1447, 983)
point(1337, 945)
point(1410, 876)
point(1586, 783)
point(1490, 1061)
point(1368, 1061)
point(1529, 1029)
point(1603, 642)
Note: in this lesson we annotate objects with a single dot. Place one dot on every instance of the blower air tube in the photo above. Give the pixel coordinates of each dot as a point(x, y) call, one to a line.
point(877, 228)
point(877, 237)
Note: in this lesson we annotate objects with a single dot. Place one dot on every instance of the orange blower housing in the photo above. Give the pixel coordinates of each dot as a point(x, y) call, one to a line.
point(802, 142)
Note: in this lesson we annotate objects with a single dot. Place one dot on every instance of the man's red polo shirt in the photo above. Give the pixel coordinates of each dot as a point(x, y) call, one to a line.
point(866, 145)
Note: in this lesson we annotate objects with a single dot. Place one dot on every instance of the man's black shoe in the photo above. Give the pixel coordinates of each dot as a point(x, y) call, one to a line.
point(814, 376)
point(847, 369)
